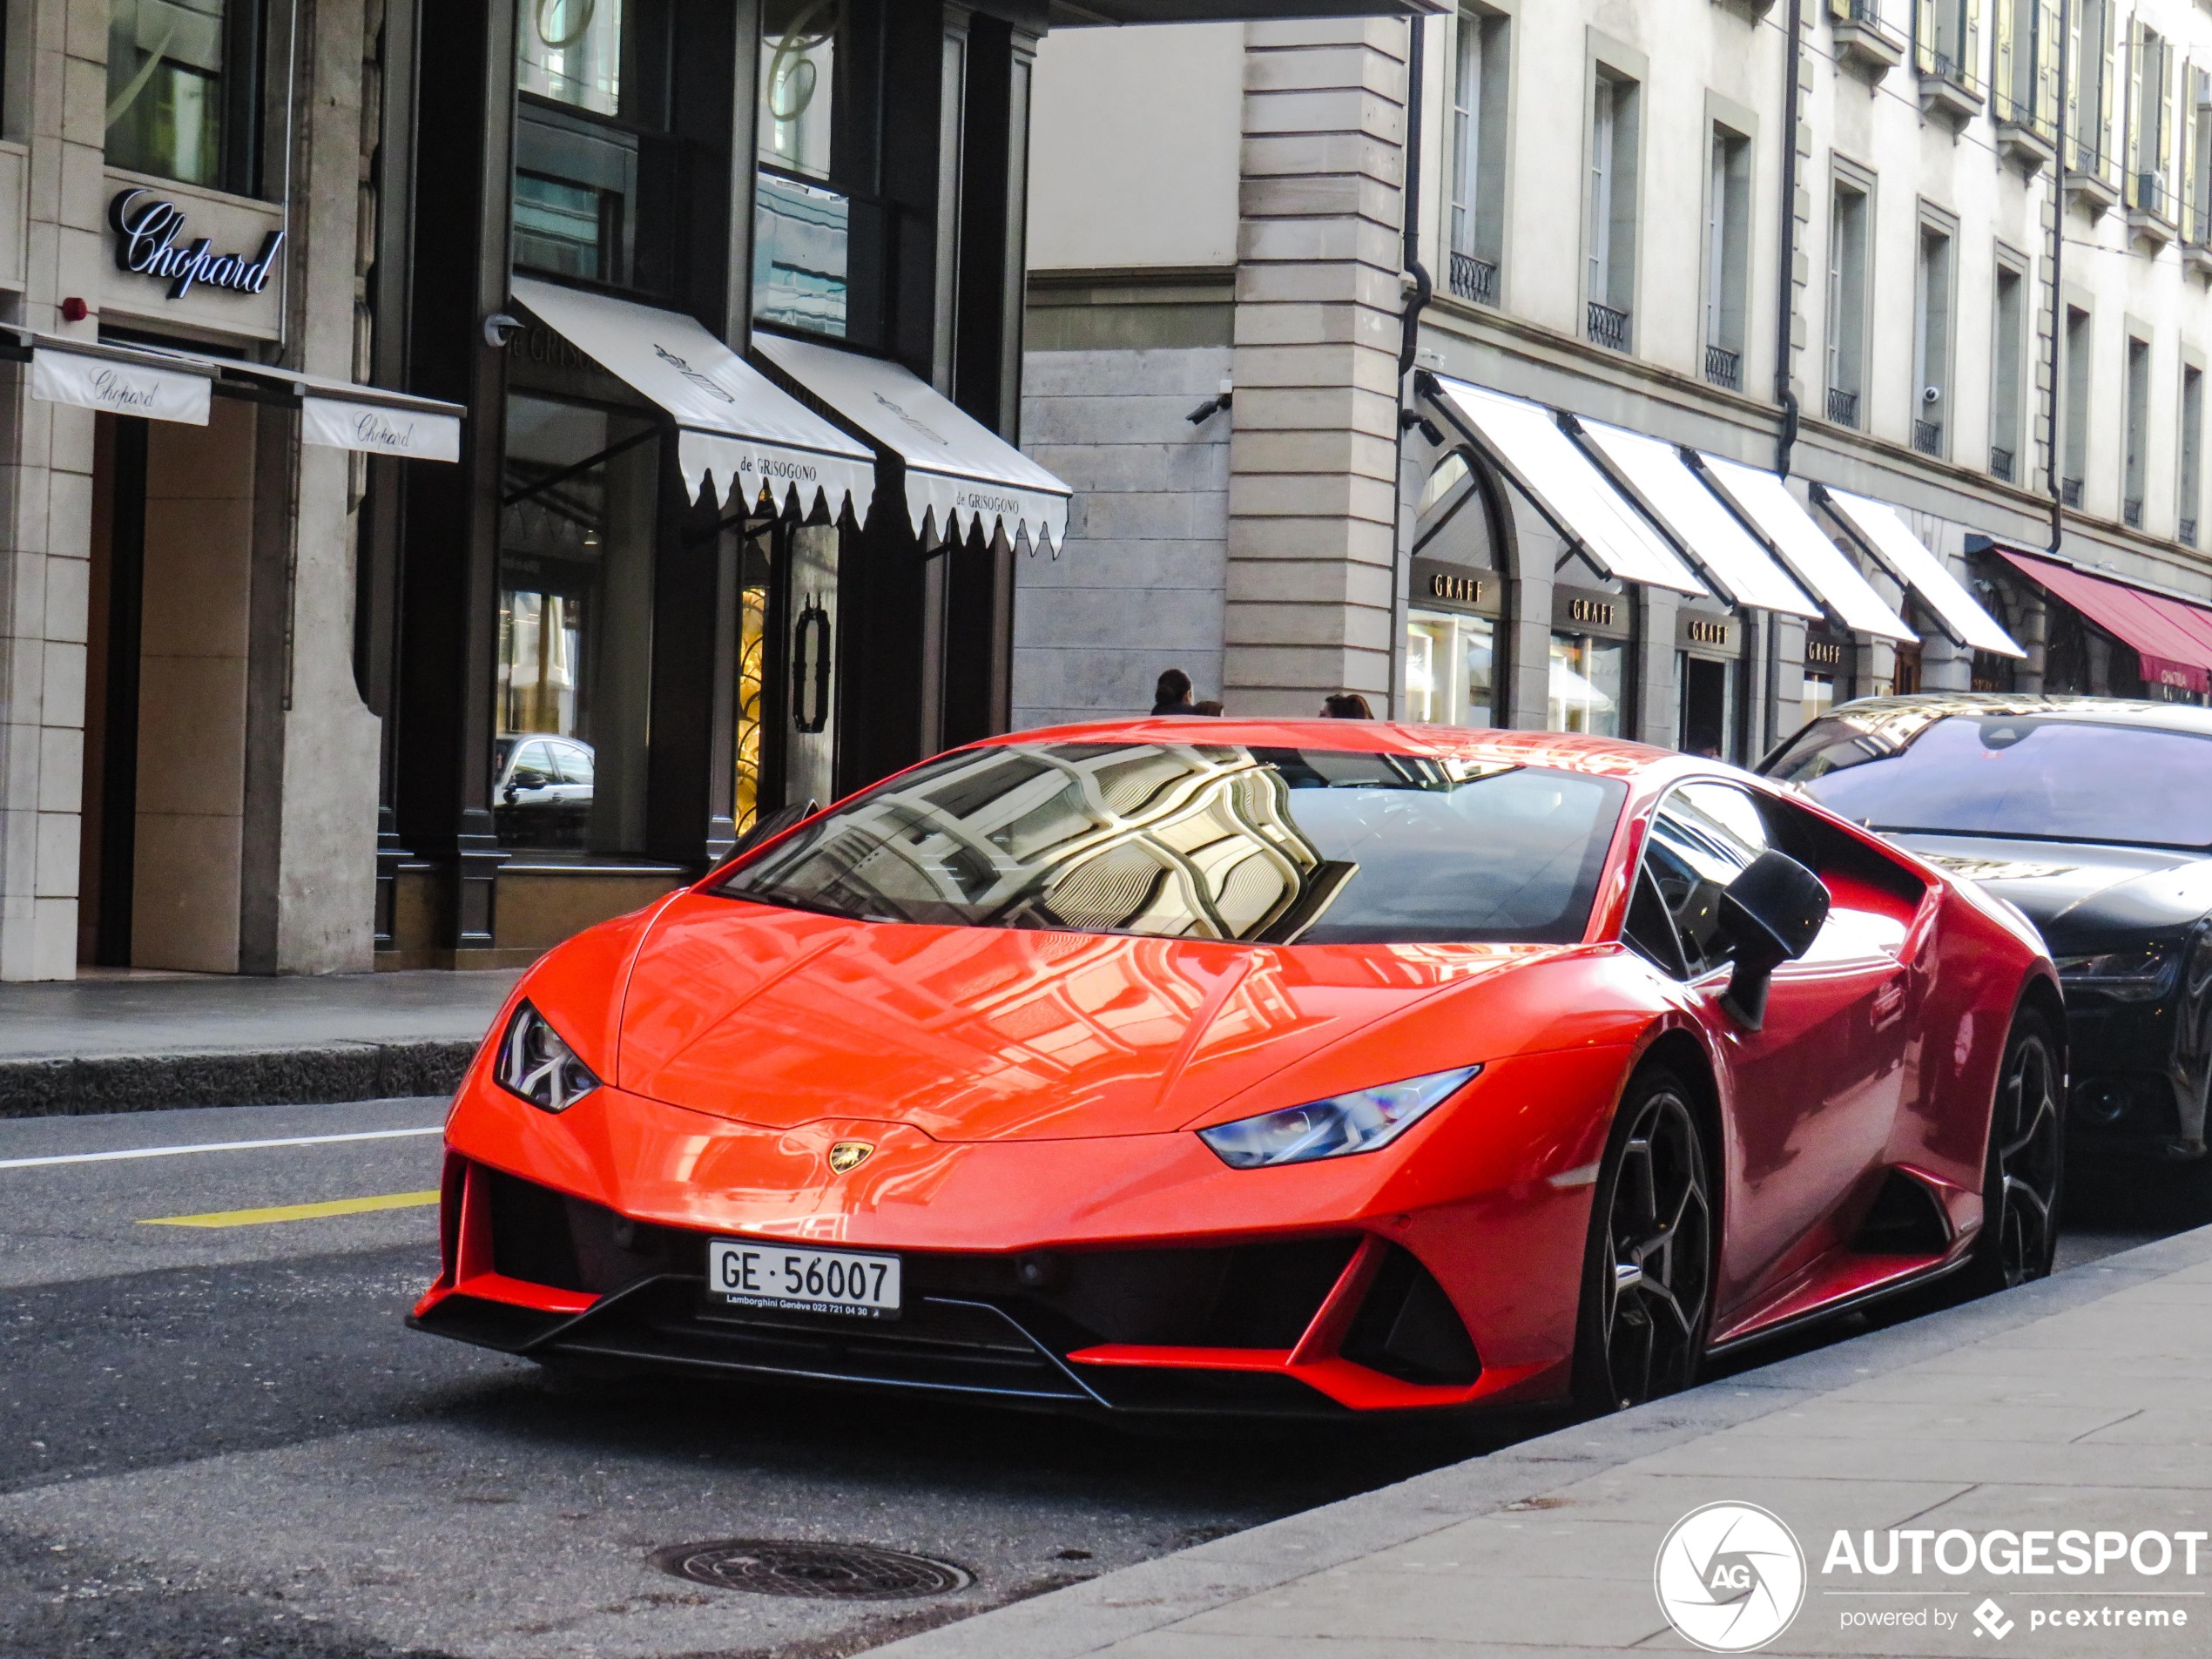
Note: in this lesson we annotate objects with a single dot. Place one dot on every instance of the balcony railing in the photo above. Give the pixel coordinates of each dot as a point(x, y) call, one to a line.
point(1843, 407)
point(1474, 279)
point(1609, 328)
point(1927, 437)
point(2187, 531)
point(2070, 491)
point(2000, 463)
point(1725, 368)
point(2131, 511)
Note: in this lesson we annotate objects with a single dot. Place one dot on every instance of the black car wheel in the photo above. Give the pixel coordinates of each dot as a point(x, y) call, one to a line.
point(1647, 1288)
point(2025, 1173)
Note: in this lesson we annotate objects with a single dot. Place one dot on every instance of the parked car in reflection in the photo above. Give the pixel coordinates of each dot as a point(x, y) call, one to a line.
point(540, 792)
point(2093, 816)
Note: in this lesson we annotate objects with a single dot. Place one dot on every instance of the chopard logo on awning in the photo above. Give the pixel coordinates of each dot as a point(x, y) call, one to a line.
point(373, 428)
point(146, 232)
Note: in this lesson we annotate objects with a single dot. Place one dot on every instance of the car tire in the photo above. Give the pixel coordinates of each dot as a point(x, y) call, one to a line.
point(1648, 1272)
point(2024, 1170)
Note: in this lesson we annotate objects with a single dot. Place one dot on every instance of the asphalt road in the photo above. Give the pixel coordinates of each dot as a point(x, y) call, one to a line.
point(219, 1439)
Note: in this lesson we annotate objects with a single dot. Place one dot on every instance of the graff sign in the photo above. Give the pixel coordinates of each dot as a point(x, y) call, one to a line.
point(148, 233)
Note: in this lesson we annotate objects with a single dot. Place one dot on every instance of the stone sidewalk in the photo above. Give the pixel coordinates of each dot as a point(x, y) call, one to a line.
point(2082, 1402)
point(131, 1044)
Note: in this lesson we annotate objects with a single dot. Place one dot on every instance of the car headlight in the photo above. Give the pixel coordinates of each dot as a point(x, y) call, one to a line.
point(1335, 1128)
point(537, 1064)
point(2138, 974)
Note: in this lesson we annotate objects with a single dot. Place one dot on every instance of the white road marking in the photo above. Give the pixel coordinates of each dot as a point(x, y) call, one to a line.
point(217, 1146)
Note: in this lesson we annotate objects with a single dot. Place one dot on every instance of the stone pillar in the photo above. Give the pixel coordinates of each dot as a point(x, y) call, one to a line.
point(1312, 485)
point(46, 501)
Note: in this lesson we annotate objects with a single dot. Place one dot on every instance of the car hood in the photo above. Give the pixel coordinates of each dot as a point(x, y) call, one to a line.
point(778, 1018)
point(2083, 895)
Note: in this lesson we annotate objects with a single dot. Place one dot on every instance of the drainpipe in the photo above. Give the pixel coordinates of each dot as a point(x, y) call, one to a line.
point(2057, 286)
point(1785, 308)
point(1409, 337)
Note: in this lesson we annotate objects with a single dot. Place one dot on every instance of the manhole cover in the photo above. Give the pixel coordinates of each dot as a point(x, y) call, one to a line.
point(848, 1571)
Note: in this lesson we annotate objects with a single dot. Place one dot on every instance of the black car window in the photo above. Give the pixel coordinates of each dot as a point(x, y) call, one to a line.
point(1209, 840)
point(1702, 837)
point(2032, 776)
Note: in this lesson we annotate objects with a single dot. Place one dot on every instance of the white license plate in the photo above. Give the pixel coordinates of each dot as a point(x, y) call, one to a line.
point(803, 1281)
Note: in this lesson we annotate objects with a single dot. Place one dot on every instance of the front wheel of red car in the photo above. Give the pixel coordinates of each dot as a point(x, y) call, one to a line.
point(2025, 1171)
point(1646, 1281)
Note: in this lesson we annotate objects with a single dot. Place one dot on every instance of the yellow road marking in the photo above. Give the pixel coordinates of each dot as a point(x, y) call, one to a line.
point(297, 1211)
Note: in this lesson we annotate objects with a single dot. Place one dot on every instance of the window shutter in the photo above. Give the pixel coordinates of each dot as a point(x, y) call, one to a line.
point(2073, 91)
point(2007, 88)
point(2166, 127)
point(2104, 89)
point(2132, 119)
point(1924, 36)
point(2187, 204)
point(2047, 67)
point(1970, 44)
point(1840, 10)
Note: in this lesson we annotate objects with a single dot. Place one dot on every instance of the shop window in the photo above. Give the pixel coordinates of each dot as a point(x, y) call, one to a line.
point(575, 650)
point(183, 90)
point(1588, 678)
point(1820, 696)
point(593, 173)
point(817, 233)
point(1450, 668)
point(788, 669)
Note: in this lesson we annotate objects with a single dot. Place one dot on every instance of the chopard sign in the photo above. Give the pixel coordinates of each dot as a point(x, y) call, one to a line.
point(148, 233)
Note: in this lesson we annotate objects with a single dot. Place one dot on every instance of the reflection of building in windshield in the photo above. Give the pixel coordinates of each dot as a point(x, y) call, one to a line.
point(1169, 838)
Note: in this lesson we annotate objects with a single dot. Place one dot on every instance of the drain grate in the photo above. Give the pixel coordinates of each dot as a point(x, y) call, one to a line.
point(842, 1572)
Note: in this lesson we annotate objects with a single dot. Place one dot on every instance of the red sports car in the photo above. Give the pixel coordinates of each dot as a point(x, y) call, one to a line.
point(1175, 1065)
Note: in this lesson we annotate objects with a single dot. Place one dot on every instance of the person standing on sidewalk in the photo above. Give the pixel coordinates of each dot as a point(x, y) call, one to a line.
point(1172, 694)
point(1345, 706)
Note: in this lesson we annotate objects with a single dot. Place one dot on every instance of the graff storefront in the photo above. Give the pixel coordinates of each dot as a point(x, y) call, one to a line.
point(733, 293)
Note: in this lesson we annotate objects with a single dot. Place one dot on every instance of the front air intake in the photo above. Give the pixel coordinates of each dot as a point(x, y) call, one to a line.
point(1407, 1328)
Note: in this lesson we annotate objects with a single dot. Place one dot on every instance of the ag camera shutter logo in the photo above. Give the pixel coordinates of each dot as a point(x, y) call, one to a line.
point(1729, 1577)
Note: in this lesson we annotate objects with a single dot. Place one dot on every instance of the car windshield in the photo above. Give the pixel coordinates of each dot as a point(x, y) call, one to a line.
point(2026, 776)
point(1209, 841)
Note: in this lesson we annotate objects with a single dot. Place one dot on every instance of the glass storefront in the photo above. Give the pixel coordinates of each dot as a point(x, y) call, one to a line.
point(1820, 696)
point(787, 669)
point(1589, 676)
point(181, 99)
point(576, 621)
point(1450, 669)
point(571, 51)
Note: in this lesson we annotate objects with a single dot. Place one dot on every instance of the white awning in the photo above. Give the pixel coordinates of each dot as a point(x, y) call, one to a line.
point(1877, 527)
point(1525, 442)
point(159, 384)
point(1770, 508)
point(1653, 476)
point(958, 471)
point(735, 427)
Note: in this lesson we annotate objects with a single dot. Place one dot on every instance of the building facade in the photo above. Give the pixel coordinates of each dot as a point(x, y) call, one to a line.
point(1844, 348)
point(462, 464)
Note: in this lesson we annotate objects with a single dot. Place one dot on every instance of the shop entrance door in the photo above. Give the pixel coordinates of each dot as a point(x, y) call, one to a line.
point(788, 668)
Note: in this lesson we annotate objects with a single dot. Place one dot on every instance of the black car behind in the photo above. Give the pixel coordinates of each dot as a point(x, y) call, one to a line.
point(2093, 816)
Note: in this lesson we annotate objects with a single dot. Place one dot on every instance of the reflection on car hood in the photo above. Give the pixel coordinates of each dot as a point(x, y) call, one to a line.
point(2079, 892)
point(781, 1017)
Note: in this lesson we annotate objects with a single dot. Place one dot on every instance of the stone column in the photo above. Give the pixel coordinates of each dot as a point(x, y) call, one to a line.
point(1313, 459)
point(46, 501)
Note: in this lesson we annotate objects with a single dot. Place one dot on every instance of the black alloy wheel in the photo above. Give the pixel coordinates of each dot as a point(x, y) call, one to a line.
point(2025, 1173)
point(1647, 1287)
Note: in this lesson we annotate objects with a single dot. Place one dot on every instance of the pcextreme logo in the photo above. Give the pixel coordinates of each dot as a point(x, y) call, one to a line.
point(1729, 1577)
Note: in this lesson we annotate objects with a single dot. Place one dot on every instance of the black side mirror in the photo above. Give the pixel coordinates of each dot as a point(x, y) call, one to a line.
point(1771, 912)
point(527, 777)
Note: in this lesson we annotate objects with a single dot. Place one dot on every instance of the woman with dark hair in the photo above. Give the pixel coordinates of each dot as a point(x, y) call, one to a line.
point(1172, 694)
point(1345, 706)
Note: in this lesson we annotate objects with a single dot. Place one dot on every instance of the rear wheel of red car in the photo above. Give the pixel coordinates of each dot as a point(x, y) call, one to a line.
point(1647, 1282)
point(2025, 1172)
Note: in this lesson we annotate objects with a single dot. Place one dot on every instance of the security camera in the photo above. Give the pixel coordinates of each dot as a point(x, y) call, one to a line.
point(1932, 394)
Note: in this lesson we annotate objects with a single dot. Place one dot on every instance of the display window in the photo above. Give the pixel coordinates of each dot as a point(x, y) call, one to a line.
point(1450, 668)
point(1588, 680)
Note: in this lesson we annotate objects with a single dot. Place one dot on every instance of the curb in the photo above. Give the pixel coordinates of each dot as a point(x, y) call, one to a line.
point(1138, 1601)
point(61, 1086)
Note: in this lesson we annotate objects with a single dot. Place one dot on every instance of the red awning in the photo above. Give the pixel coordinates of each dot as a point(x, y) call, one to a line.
point(2173, 636)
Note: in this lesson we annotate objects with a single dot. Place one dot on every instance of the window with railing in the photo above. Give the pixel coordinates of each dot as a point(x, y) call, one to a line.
point(1848, 217)
point(2074, 446)
point(1728, 262)
point(2189, 458)
point(1927, 437)
point(1480, 87)
point(2089, 89)
point(2008, 341)
point(1610, 235)
point(1931, 301)
point(1946, 39)
point(2150, 121)
point(2135, 425)
point(2001, 464)
point(2025, 86)
point(2070, 491)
